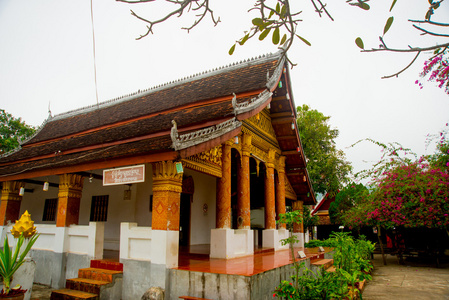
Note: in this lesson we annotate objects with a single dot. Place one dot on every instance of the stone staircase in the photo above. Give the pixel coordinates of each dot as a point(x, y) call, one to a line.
point(322, 263)
point(103, 280)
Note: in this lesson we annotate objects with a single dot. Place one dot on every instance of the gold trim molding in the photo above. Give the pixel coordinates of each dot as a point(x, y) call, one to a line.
point(208, 162)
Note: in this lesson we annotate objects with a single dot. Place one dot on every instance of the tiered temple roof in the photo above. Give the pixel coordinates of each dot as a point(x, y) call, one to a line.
point(168, 122)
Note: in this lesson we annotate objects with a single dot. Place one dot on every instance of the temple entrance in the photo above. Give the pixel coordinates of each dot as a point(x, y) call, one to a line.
point(257, 196)
point(184, 220)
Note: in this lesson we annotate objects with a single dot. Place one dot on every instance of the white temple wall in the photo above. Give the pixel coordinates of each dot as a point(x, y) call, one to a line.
point(202, 222)
point(143, 193)
point(34, 202)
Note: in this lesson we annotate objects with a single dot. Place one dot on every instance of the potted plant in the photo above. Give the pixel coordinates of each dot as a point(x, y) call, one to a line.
point(12, 259)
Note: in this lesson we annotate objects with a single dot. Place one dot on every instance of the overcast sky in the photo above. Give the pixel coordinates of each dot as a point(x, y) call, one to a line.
point(46, 60)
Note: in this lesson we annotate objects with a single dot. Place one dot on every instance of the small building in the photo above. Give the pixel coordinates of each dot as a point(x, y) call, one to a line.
point(209, 160)
point(325, 226)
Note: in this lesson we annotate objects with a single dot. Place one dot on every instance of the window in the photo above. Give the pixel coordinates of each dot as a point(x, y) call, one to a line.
point(50, 207)
point(99, 208)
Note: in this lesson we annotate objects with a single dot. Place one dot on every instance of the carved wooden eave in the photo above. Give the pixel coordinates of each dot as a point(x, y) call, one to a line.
point(253, 103)
point(200, 136)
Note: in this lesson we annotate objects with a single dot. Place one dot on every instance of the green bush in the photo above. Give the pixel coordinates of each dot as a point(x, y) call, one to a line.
point(352, 263)
point(319, 243)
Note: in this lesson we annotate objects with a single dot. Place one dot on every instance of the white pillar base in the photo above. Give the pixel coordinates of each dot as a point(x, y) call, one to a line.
point(221, 243)
point(300, 237)
point(230, 243)
point(165, 248)
point(271, 238)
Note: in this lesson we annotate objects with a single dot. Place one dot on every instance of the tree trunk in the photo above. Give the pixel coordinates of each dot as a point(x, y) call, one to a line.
point(381, 246)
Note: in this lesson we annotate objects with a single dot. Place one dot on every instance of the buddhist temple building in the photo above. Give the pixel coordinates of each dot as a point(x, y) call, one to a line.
point(208, 160)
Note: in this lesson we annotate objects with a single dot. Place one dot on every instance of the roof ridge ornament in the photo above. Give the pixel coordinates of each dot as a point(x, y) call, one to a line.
point(174, 135)
point(202, 135)
point(234, 103)
point(254, 102)
point(272, 81)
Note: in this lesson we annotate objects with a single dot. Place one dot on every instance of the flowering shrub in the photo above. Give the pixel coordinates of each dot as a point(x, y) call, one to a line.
point(437, 70)
point(412, 195)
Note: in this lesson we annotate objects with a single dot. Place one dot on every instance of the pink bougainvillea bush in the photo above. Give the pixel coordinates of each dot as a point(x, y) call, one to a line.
point(413, 195)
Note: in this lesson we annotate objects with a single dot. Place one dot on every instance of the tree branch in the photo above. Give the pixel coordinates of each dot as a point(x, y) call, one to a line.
point(430, 22)
point(201, 16)
point(408, 66)
point(430, 32)
point(182, 7)
point(135, 2)
point(411, 49)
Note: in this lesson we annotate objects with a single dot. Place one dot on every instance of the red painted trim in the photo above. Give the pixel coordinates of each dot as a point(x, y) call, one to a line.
point(110, 163)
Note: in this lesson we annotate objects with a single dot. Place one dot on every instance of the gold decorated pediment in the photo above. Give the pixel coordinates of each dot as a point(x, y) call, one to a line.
point(208, 162)
point(260, 127)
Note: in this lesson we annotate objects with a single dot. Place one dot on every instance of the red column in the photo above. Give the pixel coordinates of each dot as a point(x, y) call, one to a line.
point(243, 196)
point(224, 189)
point(167, 188)
point(10, 202)
point(70, 190)
point(270, 211)
point(298, 227)
point(280, 191)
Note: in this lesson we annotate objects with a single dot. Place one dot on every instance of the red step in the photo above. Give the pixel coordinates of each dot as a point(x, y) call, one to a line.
point(107, 264)
point(90, 281)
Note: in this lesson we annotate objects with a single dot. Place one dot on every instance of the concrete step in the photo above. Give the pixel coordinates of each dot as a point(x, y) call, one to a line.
point(67, 294)
point(324, 263)
point(86, 285)
point(99, 274)
point(331, 269)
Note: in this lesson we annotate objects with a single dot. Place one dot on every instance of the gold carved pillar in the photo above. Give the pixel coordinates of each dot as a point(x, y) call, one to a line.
point(280, 191)
point(10, 201)
point(167, 188)
point(270, 210)
point(224, 189)
point(69, 198)
point(298, 227)
point(243, 186)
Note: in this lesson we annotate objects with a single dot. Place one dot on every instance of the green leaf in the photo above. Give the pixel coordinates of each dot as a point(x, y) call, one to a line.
point(276, 36)
point(283, 11)
point(278, 8)
point(257, 22)
point(271, 14)
point(231, 51)
point(244, 39)
point(359, 43)
point(388, 24)
point(264, 34)
point(284, 38)
point(364, 6)
point(304, 40)
point(392, 4)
